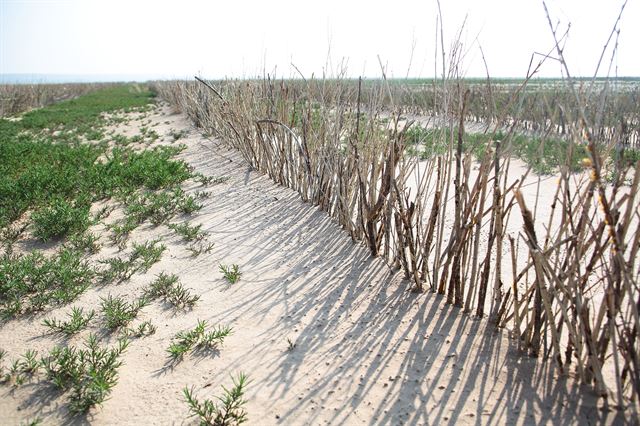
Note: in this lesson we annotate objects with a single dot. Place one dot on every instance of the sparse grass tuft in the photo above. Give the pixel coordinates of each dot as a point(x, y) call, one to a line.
point(231, 273)
point(141, 259)
point(118, 312)
point(10, 235)
point(4, 376)
point(24, 368)
point(29, 283)
point(228, 411)
point(121, 231)
point(291, 345)
point(187, 232)
point(177, 134)
point(86, 242)
point(90, 373)
point(200, 247)
point(144, 329)
point(77, 322)
point(209, 180)
point(147, 254)
point(169, 289)
point(197, 338)
point(157, 206)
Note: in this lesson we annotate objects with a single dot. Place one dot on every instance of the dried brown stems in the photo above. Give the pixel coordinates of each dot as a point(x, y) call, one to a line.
point(564, 278)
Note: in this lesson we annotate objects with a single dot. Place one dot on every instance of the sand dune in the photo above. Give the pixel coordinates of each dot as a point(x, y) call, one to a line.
point(367, 351)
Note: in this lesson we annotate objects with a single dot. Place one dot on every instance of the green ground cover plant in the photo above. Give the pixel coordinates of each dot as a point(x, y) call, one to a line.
point(197, 338)
point(77, 322)
point(46, 165)
point(118, 312)
point(53, 166)
point(544, 155)
point(228, 410)
point(168, 288)
point(142, 257)
point(230, 272)
point(90, 373)
point(32, 282)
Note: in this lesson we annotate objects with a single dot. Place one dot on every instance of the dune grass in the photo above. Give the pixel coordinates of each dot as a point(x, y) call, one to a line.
point(54, 164)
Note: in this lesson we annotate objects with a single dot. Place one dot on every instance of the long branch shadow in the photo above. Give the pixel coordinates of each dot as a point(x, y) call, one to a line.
point(363, 342)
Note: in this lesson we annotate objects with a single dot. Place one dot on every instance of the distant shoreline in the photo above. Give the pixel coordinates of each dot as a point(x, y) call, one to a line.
point(127, 78)
point(80, 78)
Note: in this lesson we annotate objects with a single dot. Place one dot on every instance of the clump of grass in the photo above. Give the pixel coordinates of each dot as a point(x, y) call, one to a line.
point(231, 273)
point(86, 241)
point(187, 232)
point(29, 283)
point(200, 247)
point(10, 235)
point(197, 338)
point(58, 219)
point(121, 230)
point(90, 373)
point(229, 410)
point(158, 206)
point(195, 236)
point(169, 289)
point(177, 134)
point(151, 169)
point(119, 312)
point(118, 270)
point(103, 213)
point(24, 368)
point(77, 322)
point(146, 254)
point(141, 259)
point(144, 329)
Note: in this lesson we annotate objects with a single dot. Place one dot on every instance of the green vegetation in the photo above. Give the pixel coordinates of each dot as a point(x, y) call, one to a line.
point(141, 259)
point(59, 218)
point(544, 155)
point(169, 289)
point(193, 235)
point(77, 321)
point(55, 163)
point(118, 312)
point(48, 168)
point(32, 282)
point(188, 232)
point(144, 329)
point(228, 411)
point(231, 273)
point(156, 206)
point(197, 338)
point(24, 368)
point(44, 163)
point(90, 373)
point(200, 247)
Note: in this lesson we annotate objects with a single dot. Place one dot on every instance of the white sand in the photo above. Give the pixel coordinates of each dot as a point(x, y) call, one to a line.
point(367, 351)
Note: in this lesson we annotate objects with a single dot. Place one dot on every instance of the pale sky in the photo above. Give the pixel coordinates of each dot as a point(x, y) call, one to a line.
point(242, 38)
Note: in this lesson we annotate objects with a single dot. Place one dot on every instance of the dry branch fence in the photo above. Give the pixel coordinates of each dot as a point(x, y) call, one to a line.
point(565, 281)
